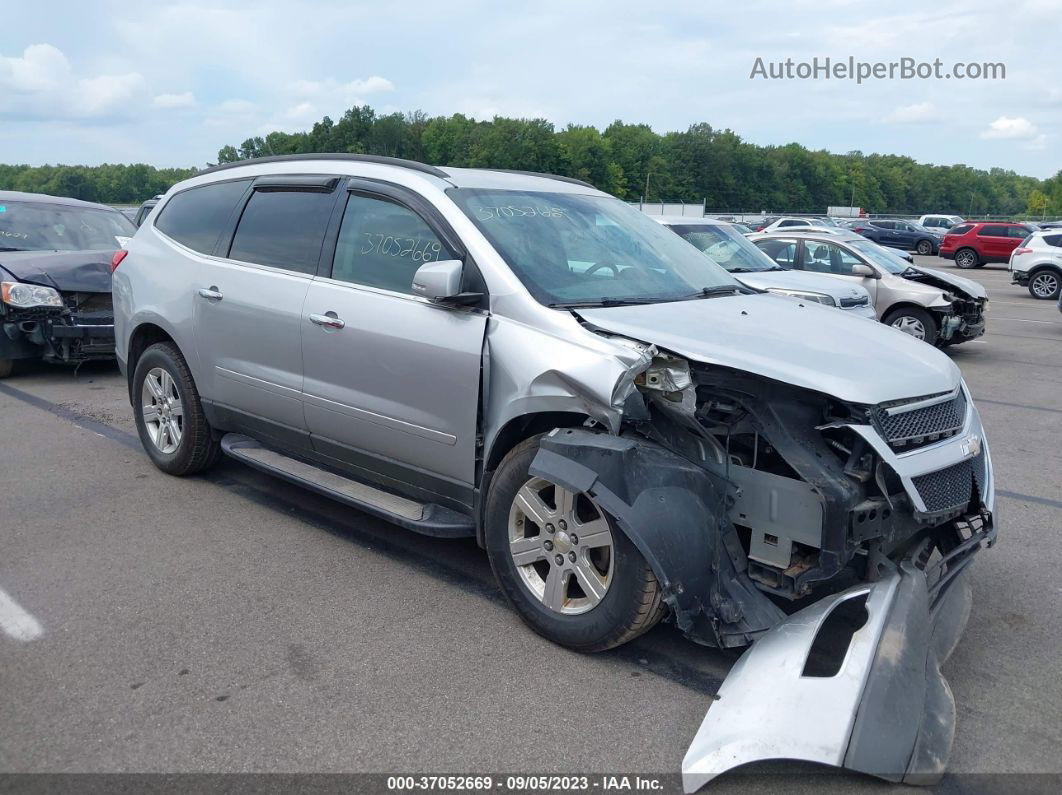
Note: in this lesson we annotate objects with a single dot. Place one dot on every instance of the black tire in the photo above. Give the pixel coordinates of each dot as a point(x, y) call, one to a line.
point(911, 313)
point(1040, 281)
point(966, 258)
point(7, 366)
point(198, 449)
point(633, 603)
point(924, 247)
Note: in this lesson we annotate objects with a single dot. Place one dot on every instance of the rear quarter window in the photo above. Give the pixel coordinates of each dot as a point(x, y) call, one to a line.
point(196, 217)
point(961, 229)
point(1053, 240)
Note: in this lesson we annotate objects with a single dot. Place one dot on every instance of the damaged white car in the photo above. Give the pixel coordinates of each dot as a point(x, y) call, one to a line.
point(630, 433)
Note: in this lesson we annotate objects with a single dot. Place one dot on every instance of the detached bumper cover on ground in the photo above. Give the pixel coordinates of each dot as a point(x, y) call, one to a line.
point(886, 711)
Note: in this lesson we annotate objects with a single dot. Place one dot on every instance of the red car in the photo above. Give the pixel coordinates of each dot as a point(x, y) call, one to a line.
point(973, 243)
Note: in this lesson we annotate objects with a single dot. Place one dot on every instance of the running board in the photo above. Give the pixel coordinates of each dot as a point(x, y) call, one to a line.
point(426, 518)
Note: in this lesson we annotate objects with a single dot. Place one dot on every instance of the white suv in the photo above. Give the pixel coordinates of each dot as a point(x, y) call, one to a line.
point(1037, 264)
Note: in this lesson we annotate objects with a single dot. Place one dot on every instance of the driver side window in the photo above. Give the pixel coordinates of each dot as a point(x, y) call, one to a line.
point(828, 258)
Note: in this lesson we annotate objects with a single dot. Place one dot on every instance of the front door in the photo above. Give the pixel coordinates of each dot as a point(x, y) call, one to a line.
point(829, 258)
point(392, 380)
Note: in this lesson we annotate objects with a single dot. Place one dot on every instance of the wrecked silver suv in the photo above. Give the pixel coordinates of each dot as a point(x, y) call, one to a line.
point(629, 432)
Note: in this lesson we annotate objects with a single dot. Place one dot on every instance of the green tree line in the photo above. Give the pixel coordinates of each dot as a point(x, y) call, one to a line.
point(628, 160)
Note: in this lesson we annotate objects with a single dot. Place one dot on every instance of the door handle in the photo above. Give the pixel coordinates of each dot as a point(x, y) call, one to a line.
point(211, 293)
point(328, 320)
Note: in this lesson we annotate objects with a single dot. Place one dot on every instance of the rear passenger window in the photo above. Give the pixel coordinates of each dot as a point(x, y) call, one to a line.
point(1053, 240)
point(992, 230)
point(196, 217)
point(381, 244)
point(283, 229)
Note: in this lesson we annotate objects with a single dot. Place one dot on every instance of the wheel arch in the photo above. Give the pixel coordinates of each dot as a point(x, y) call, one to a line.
point(515, 431)
point(143, 337)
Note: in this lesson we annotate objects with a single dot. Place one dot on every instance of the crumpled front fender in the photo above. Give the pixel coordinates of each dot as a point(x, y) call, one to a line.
point(883, 709)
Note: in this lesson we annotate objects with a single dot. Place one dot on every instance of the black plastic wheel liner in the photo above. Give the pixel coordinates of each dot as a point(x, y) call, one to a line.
point(674, 512)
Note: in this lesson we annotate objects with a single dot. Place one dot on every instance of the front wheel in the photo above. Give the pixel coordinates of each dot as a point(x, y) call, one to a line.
point(1045, 285)
point(169, 416)
point(916, 322)
point(562, 563)
point(966, 258)
point(924, 247)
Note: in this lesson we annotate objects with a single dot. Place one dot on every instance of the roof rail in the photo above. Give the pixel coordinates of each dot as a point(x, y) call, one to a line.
point(413, 165)
point(572, 180)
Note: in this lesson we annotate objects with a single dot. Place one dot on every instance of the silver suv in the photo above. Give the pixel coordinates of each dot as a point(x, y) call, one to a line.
point(628, 431)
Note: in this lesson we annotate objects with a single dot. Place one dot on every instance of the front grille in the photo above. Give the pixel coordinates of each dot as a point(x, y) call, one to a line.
point(89, 302)
point(951, 488)
point(906, 430)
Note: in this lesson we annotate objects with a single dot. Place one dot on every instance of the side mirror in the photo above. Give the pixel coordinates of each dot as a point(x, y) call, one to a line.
point(860, 269)
point(441, 282)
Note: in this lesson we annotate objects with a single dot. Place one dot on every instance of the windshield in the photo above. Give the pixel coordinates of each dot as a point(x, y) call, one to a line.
point(727, 247)
point(570, 248)
point(31, 226)
point(879, 256)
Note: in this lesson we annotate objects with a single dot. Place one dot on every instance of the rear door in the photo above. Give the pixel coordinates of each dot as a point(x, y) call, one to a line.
point(248, 314)
point(392, 380)
point(994, 242)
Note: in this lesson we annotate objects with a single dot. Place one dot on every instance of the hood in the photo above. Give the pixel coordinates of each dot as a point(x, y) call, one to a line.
point(801, 280)
point(968, 286)
point(66, 271)
point(804, 344)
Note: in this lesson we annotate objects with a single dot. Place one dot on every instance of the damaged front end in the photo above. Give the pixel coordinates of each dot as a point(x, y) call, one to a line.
point(80, 328)
point(834, 536)
point(962, 308)
point(56, 306)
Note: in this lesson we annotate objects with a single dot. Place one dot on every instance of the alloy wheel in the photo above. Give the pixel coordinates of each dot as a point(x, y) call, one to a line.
point(561, 545)
point(965, 259)
point(925, 248)
point(910, 325)
point(1044, 285)
point(163, 411)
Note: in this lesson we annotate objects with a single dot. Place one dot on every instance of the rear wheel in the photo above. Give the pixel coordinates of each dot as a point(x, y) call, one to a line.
point(924, 247)
point(562, 563)
point(966, 258)
point(1045, 285)
point(169, 416)
point(916, 322)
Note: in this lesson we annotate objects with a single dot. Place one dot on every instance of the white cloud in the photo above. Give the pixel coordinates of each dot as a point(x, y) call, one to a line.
point(168, 101)
point(1016, 128)
point(42, 85)
point(913, 114)
point(237, 106)
point(331, 86)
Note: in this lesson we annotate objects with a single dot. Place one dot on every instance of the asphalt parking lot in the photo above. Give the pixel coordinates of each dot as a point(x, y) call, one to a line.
point(233, 623)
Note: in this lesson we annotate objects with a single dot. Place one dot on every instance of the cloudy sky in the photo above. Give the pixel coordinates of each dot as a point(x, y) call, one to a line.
point(170, 83)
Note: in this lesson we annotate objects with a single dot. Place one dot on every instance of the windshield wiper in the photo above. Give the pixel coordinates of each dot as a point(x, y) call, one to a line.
point(605, 302)
point(713, 292)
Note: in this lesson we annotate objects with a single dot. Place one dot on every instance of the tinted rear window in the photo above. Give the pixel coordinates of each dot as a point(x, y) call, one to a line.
point(1053, 240)
point(993, 230)
point(283, 229)
point(197, 216)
